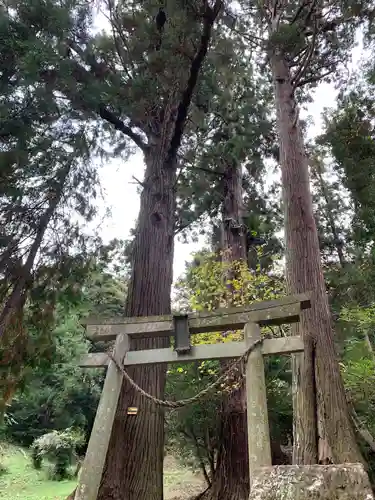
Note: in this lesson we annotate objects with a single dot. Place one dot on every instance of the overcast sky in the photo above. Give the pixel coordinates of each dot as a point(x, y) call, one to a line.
point(120, 190)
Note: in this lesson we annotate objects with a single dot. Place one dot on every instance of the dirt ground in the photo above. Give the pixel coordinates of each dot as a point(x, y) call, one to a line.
point(180, 483)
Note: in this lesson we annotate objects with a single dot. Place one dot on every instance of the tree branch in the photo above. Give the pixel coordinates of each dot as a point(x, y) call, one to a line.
point(120, 125)
point(314, 79)
point(306, 61)
point(193, 436)
point(182, 227)
point(16, 300)
point(255, 40)
point(304, 65)
point(142, 184)
point(207, 170)
point(183, 108)
point(310, 13)
point(299, 11)
point(297, 58)
point(101, 71)
point(362, 430)
point(200, 458)
point(81, 75)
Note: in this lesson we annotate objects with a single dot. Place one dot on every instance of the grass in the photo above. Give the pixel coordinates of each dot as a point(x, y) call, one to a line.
point(22, 482)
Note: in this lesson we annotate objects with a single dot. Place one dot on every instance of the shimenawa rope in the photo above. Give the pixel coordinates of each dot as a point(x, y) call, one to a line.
point(199, 395)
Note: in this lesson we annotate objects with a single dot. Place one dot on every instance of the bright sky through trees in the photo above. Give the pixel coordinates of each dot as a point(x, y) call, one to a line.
point(120, 188)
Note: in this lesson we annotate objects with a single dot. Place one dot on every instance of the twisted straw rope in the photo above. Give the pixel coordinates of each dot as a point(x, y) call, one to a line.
point(193, 399)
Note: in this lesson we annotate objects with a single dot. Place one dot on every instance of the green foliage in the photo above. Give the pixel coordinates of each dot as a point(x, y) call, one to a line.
point(288, 38)
point(56, 394)
point(234, 129)
point(206, 283)
point(65, 90)
point(59, 447)
point(48, 184)
point(350, 135)
point(358, 364)
point(3, 469)
point(194, 431)
point(23, 482)
point(313, 40)
point(116, 76)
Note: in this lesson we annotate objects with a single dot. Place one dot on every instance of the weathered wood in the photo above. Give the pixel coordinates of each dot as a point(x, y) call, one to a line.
point(124, 320)
point(92, 469)
point(108, 331)
point(302, 298)
point(94, 360)
point(311, 482)
point(182, 341)
point(285, 310)
point(225, 350)
point(257, 414)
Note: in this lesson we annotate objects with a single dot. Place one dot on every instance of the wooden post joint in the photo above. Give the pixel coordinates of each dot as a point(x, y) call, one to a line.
point(181, 334)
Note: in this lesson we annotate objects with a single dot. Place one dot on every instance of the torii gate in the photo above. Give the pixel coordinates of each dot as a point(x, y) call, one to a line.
point(250, 318)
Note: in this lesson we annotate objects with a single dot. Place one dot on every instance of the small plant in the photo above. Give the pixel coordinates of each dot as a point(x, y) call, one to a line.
point(3, 468)
point(59, 447)
point(36, 457)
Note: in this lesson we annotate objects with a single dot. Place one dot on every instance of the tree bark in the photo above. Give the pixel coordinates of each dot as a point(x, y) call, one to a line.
point(134, 466)
point(316, 171)
point(231, 479)
point(318, 382)
point(233, 231)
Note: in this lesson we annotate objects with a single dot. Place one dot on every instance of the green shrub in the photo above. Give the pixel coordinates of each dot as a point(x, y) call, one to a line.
point(59, 447)
point(36, 458)
point(3, 468)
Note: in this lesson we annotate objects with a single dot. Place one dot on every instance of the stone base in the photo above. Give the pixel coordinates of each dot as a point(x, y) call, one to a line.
point(311, 482)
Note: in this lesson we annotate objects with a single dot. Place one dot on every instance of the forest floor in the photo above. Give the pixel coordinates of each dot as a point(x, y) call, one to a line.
point(21, 482)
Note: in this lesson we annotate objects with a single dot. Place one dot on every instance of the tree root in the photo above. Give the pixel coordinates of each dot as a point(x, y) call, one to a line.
point(71, 496)
point(236, 492)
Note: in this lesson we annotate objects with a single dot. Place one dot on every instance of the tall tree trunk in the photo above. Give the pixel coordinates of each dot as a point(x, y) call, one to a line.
point(318, 382)
point(134, 466)
point(142, 436)
point(231, 479)
point(233, 231)
point(316, 172)
point(13, 351)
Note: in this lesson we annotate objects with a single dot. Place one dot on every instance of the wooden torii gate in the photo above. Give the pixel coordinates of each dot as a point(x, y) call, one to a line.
point(250, 318)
